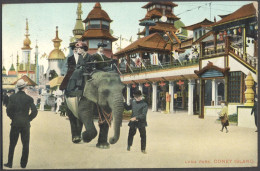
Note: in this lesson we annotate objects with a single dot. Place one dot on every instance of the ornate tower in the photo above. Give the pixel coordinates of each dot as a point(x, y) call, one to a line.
point(26, 50)
point(78, 30)
point(162, 14)
point(17, 63)
point(56, 58)
point(97, 26)
point(36, 64)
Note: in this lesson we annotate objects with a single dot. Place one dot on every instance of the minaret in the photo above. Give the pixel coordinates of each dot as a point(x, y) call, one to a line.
point(78, 30)
point(17, 63)
point(36, 64)
point(26, 49)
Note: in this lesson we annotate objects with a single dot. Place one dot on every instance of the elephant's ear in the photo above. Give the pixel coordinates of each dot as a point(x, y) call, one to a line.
point(90, 91)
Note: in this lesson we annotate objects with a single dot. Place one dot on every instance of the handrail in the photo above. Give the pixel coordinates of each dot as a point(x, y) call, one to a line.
point(166, 65)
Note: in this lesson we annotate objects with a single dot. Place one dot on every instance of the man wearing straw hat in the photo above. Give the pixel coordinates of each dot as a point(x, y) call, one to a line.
point(18, 111)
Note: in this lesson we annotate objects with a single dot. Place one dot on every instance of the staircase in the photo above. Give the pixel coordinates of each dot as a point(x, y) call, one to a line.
point(244, 62)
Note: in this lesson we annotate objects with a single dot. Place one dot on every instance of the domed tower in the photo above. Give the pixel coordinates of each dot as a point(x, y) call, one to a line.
point(56, 58)
point(97, 26)
point(25, 67)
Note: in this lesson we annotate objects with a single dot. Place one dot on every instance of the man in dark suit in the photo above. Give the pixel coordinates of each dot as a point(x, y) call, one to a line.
point(138, 120)
point(102, 62)
point(18, 111)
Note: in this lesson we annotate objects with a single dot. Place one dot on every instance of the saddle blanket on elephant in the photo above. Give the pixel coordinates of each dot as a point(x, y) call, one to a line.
point(72, 103)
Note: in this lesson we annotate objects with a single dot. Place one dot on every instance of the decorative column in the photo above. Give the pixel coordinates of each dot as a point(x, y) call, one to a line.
point(154, 100)
point(141, 87)
point(213, 98)
point(249, 93)
point(191, 91)
point(171, 92)
point(128, 90)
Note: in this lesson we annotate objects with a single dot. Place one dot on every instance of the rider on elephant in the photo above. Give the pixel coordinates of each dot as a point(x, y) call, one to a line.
point(85, 66)
point(72, 62)
point(103, 63)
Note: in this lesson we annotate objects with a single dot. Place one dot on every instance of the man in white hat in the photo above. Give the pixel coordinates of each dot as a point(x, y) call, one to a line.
point(18, 111)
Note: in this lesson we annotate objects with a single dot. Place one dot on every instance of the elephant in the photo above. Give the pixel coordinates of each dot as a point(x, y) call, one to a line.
point(102, 93)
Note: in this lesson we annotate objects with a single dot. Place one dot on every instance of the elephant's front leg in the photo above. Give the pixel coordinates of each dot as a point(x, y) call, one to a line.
point(86, 108)
point(102, 138)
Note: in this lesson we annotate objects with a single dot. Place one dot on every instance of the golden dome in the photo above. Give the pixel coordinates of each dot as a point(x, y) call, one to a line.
point(27, 41)
point(56, 54)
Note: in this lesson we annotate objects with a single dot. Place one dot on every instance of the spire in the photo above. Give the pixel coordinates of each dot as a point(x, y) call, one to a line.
point(27, 41)
point(17, 62)
point(78, 30)
point(79, 11)
point(57, 40)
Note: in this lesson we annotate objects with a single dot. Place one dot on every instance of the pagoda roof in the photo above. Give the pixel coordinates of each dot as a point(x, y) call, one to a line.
point(161, 3)
point(153, 41)
point(205, 22)
point(160, 27)
point(158, 13)
point(245, 11)
point(97, 13)
point(94, 33)
point(26, 79)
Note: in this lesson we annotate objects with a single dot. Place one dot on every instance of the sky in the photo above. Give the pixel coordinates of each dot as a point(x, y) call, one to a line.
point(44, 17)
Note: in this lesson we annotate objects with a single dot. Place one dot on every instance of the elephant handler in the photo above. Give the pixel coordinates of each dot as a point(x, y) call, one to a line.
point(18, 111)
point(138, 120)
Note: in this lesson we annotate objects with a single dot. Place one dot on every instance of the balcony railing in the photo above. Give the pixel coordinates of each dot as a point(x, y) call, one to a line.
point(163, 66)
point(244, 56)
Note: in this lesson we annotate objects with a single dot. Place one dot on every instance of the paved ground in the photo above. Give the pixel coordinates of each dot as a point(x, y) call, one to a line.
point(173, 141)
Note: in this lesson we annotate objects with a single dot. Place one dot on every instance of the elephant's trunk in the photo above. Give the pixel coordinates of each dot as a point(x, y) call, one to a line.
point(117, 107)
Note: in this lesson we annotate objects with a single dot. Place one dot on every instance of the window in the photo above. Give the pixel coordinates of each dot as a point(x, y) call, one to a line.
point(94, 24)
point(105, 25)
point(93, 43)
point(196, 34)
point(168, 8)
point(200, 33)
point(234, 87)
point(108, 43)
point(163, 7)
point(158, 6)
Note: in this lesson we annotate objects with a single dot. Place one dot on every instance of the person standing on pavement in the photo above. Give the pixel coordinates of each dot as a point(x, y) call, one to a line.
point(254, 110)
point(138, 120)
point(223, 115)
point(18, 111)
